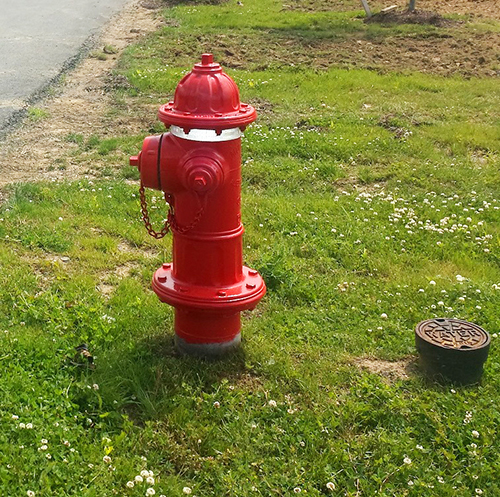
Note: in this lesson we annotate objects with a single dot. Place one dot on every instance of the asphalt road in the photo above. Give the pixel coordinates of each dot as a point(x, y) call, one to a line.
point(38, 41)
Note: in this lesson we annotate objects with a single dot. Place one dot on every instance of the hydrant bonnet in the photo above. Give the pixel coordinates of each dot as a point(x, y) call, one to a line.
point(207, 98)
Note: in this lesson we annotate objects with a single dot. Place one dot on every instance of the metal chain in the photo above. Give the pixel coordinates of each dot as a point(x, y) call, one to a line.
point(184, 229)
point(145, 216)
point(170, 222)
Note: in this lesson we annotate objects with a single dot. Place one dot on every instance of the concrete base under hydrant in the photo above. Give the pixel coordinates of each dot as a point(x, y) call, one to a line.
point(207, 350)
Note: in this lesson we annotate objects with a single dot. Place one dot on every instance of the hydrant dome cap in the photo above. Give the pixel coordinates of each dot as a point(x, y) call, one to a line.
point(207, 98)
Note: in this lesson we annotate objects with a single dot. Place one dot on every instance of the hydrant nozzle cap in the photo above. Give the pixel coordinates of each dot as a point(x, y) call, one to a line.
point(207, 98)
point(134, 160)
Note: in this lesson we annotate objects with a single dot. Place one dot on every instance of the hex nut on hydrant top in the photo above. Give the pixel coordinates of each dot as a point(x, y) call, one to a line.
point(198, 167)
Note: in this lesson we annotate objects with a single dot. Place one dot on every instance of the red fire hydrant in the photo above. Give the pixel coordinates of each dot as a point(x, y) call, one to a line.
point(198, 167)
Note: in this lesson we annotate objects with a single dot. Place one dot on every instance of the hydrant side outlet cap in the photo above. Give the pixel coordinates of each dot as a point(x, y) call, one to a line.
point(207, 98)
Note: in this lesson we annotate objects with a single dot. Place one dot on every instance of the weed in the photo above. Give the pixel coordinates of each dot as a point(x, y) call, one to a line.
point(98, 54)
point(37, 114)
point(75, 138)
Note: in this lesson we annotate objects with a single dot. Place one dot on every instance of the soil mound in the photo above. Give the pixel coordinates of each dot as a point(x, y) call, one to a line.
point(407, 17)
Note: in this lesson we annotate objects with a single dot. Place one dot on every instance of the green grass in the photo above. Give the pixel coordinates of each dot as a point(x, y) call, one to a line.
point(364, 196)
point(36, 114)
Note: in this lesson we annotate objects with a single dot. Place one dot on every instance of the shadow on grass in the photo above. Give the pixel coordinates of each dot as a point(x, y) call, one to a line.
point(151, 379)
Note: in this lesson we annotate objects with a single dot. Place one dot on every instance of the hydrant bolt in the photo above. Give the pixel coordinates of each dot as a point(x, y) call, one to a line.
point(197, 164)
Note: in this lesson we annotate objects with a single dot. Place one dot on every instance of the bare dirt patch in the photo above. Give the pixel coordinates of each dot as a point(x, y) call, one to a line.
point(438, 53)
point(390, 371)
point(406, 17)
point(477, 8)
point(139, 252)
point(110, 279)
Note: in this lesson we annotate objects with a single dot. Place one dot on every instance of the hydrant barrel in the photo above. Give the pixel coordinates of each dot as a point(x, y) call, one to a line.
point(197, 164)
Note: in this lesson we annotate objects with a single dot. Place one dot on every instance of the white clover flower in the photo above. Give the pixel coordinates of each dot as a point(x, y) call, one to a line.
point(139, 479)
point(144, 473)
point(186, 490)
point(130, 484)
point(330, 486)
point(30, 493)
point(216, 404)
point(22, 426)
point(29, 426)
point(95, 386)
point(432, 282)
point(297, 490)
point(460, 278)
point(410, 483)
point(272, 403)
point(479, 491)
point(383, 315)
point(419, 447)
point(48, 456)
point(407, 460)
point(150, 480)
point(151, 473)
point(440, 479)
point(66, 443)
point(475, 434)
point(44, 441)
point(14, 417)
point(150, 491)
point(43, 447)
point(106, 459)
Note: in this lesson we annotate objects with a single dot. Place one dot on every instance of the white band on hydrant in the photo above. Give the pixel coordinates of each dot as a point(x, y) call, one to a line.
point(206, 135)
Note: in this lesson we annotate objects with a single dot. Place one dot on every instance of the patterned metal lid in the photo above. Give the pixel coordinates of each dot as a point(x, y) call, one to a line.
point(453, 334)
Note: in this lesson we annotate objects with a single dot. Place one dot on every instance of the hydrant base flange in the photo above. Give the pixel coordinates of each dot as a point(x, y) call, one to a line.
point(235, 298)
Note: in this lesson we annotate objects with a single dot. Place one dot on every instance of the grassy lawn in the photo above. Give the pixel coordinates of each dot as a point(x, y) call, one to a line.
point(371, 201)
